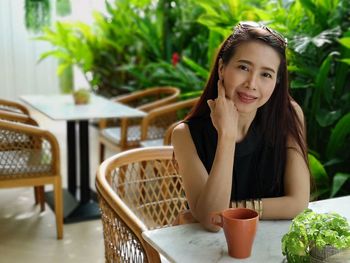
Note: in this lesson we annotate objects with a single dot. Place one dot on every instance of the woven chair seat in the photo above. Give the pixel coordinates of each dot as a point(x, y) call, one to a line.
point(22, 164)
point(134, 134)
point(7, 172)
point(22, 156)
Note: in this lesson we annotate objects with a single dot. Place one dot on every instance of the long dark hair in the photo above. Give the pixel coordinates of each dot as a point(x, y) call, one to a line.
point(277, 118)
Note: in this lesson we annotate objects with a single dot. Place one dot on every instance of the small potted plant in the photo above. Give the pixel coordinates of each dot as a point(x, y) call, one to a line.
point(81, 96)
point(314, 237)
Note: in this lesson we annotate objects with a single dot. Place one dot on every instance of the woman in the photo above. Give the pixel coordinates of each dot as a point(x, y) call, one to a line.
point(243, 144)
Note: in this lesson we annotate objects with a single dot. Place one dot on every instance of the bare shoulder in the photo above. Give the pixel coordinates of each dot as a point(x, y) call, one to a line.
point(182, 141)
point(298, 110)
point(180, 132)
point(184, 149)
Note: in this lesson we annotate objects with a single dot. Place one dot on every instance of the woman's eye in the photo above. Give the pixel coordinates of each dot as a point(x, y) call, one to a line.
point(267, 75)
point(242, 67)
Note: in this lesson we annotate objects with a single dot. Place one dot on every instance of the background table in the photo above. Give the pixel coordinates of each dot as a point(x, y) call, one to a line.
point(62, 107)
point(191, 243)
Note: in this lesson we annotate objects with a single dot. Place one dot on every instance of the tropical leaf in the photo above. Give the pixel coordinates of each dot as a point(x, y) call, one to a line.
point(321, 83)
point(301, 42)
point(340, 138)
point(198, 69)
point(338, 181)
point(326, 36)
point(345, 60)
point(318, 172)
point(345, 41)
point(326, 118)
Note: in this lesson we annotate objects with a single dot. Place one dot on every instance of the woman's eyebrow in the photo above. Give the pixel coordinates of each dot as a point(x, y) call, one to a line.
point(251, 64)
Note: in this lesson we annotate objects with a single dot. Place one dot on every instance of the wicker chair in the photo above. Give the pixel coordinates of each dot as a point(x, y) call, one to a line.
point(29, 156)
point(154, 125)
point(138, 189)
point(124, 134)
point(12, 106)
point(13, 111)
point(158, 124)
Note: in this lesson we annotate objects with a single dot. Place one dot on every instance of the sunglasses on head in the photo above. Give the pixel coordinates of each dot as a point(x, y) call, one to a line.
point(252, 24)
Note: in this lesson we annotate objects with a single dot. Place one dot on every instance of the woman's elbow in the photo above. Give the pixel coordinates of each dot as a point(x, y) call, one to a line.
point(298, 207)
point(207, 225)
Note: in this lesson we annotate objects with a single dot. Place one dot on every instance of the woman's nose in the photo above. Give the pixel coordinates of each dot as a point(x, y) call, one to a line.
point(251, 81)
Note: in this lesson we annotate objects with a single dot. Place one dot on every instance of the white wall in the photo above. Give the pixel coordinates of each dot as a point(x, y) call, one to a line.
point(19, 71)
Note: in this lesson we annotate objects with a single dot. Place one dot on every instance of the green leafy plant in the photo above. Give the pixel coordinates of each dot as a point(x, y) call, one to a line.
point(37, 15)
point(317, 54)
point(311, 230)
point(155, 31)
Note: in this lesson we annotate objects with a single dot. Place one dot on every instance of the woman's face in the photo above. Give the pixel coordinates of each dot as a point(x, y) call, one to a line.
point(250, 76)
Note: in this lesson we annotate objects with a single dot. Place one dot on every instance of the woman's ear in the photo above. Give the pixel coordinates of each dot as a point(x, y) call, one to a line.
point(221, 69)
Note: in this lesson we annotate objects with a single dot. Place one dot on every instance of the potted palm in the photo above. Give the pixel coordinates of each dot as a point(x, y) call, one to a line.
point(314, 237)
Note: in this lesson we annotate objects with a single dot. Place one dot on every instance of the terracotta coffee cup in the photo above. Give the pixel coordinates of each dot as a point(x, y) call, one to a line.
point(239, 226)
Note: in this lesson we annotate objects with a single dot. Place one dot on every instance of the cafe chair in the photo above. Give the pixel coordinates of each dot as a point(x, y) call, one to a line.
point(29, 156)
point(125, 133)
point(19, 113)
point(138, 190)
point(157, 125)
point(153, 126)
point(13, 106)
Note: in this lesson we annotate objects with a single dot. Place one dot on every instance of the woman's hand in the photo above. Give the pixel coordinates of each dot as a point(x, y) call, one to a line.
point(223, 114)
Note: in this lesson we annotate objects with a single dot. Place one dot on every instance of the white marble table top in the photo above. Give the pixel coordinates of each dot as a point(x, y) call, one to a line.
point(62, 107)
point(191, 243)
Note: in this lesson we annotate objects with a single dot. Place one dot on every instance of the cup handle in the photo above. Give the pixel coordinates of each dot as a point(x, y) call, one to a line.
point(214, 216)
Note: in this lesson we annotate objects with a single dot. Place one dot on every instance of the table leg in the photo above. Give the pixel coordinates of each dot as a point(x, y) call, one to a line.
point(71, 158)
point(84, 161)
point(85, 209)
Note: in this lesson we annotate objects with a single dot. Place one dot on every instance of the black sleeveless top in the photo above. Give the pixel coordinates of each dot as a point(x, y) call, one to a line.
point(253, 170)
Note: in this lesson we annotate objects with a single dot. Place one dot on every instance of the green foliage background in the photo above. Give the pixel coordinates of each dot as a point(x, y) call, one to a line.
point(133, 47)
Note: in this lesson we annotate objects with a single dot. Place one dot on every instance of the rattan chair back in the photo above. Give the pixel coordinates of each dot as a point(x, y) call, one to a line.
point(125, 133)
point(138, 189)
point(156, 123)
point(149, 99)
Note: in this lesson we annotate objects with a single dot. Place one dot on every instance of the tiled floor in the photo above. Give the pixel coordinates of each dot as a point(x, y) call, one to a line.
point(26, 235)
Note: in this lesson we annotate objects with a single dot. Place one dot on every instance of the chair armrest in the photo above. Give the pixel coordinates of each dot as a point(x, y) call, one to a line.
point(13, 104)
point(17, 117)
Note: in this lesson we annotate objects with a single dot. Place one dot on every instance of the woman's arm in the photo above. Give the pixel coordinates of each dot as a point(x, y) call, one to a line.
point(296, 183)
point(208, 193)
point(205, 194)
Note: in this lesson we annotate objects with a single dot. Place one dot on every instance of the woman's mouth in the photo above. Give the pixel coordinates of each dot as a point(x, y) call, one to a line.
point(246, 98)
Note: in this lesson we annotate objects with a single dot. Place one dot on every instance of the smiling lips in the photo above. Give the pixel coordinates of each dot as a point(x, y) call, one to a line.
point(246, 98)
